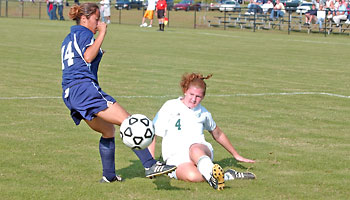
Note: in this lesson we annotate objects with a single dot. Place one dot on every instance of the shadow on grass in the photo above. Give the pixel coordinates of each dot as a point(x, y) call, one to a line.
point(136, 170)
point(163, 183)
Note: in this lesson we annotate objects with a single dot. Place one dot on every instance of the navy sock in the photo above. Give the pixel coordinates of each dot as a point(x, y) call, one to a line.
point(145, 157)
point(107, 153)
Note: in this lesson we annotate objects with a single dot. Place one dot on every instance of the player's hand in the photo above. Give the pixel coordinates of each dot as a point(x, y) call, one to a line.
point(102, 27)
point(241, 159)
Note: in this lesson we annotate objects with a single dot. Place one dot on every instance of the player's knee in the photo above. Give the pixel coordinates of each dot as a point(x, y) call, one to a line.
point(106, 131)
point(194, 177)
point(109, 132)
point(195, 148)
point(198, 150)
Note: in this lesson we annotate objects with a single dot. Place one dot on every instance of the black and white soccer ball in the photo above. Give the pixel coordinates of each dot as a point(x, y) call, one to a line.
point(137, 131)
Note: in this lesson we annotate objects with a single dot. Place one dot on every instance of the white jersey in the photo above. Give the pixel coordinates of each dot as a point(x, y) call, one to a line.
point(59, 2)
point(151, 5)
point(181, 127)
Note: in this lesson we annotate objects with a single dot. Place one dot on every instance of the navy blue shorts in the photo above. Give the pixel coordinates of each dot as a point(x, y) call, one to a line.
point(160, 14)
point(86, 99)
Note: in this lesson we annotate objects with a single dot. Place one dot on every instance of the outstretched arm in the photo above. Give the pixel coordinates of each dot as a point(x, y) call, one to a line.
point(222, 139)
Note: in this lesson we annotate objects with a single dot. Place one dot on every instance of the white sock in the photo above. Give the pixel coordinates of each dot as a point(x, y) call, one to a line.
point(205, 166)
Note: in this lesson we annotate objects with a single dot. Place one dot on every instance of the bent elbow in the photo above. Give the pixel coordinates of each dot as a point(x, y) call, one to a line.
point(88, 60)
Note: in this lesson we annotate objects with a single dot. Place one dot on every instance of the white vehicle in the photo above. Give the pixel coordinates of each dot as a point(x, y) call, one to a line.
point(232, 6)
point(304, 7)
point(215, 5)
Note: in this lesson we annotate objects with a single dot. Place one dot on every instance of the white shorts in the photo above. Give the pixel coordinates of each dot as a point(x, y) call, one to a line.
point(107, 12)
point(183, 157)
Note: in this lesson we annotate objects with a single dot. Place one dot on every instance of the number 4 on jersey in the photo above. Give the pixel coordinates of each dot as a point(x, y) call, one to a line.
point(178, 124)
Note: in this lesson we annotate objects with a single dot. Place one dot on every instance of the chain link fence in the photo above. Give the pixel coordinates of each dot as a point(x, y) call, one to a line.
point(34, 9)
point(197, 18)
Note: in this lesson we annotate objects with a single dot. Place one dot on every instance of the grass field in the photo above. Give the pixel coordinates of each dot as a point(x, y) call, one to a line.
point(283, 100)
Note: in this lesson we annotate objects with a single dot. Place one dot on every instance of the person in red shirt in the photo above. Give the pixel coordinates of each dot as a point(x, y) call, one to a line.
point(161, 9)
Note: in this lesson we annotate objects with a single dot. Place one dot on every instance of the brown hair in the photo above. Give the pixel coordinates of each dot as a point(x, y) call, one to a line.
point(194, 79)
point(84, 9)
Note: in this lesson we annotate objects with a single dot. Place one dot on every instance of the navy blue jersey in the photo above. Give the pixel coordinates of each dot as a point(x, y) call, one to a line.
point(312, 12)
point(74, 67)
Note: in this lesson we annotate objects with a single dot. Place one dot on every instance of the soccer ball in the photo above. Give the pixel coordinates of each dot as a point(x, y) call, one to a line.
point(137, 131)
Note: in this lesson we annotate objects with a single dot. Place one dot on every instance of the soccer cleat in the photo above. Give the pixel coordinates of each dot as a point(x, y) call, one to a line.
point(232, 174)
point(116, 178)
point(217, 180)
point(158, 169)
point(143, 25)
point(149, 26)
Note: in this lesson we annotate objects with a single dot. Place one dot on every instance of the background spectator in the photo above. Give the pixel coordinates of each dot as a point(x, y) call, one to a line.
point(60, 9)
point(311, 15)
point(107, 11)
point(149, 13)
point(341, 13)
point(321, 16)
point(53, 9)
point(48, 8)
point(255, 7)
point(317, 3)
point(267, 7)
point(278, 10)
point(329, 7)
point(348, 12)
point(101, 11)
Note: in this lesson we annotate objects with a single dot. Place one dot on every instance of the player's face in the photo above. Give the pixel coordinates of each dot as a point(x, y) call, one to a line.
point(193, 96)
point(93, 21)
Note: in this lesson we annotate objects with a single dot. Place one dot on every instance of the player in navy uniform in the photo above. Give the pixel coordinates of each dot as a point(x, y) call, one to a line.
point(81, 55)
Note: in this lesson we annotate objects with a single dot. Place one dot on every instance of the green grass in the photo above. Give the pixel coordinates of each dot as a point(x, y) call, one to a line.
point(300, 142)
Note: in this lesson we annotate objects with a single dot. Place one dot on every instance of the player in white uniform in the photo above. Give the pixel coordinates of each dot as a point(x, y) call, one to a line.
point(181, 122)
point(181, 127)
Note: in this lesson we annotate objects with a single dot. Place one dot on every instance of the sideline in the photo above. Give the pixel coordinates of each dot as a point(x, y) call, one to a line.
point(276, 39)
